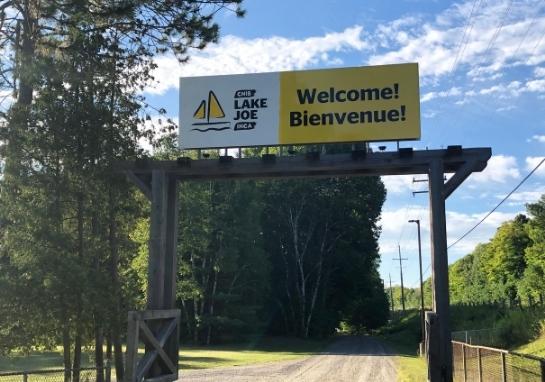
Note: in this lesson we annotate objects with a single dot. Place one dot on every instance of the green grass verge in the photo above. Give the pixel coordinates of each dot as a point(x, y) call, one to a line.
point(191, 357)
point(535, 347)
point(39, 360)
point(402, 336)
point(265, 350)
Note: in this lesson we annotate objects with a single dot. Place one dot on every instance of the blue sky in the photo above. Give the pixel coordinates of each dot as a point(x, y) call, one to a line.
point(482, 83)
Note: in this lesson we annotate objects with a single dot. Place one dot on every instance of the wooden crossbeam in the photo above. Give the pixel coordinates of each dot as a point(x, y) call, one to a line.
point(373, 164)
point(460, 175)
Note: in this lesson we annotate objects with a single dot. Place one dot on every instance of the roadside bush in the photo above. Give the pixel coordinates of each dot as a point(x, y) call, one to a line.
point(519, 326)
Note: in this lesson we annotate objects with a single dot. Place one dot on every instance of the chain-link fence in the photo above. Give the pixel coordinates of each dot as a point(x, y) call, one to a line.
point(483, 364)
point(58, 375)
point(482, 337)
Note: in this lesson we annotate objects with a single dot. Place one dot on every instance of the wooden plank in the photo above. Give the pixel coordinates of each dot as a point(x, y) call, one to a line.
point(171, 262)
point(381, 163)
point(145, 364)
point(149, 337)
point(171, 244)
point(163, 378)
point(156, 260)
point(142, 184)
point(459, 176)
point(148, 361)
point(440, 285)
point(161, 314)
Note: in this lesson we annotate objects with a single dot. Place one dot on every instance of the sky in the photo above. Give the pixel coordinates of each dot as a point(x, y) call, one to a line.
point(482, 84)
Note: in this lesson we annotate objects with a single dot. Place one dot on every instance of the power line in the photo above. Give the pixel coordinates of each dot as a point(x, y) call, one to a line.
point(463, 42)
point(498, 29)
point(499, 204)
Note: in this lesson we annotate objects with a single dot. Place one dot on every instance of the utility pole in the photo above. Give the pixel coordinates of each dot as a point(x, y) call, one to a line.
point(422, 324)
point(401, 274)
point(391, 293)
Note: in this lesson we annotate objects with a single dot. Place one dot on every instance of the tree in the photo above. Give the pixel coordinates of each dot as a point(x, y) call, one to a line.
point(75, 67)
point(312, 226)
point(533, 285)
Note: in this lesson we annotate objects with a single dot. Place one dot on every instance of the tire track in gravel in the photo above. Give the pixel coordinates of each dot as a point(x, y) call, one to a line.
point(349, 359)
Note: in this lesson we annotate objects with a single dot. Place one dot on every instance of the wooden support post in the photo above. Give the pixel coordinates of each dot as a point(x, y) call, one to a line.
point(156, 260)
point(503, 368)
point(440, 269)
point(464, 361)
point(163, 264)
point(171, 263)
point(432, 346)
point(480, 364)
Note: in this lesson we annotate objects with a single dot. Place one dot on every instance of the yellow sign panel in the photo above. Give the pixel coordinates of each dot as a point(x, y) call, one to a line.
point(351, 104)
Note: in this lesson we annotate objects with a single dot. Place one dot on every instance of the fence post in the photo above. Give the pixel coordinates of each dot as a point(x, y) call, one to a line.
point(504, 369)
point(464, 361)
point(25, 377)
point(480, 365)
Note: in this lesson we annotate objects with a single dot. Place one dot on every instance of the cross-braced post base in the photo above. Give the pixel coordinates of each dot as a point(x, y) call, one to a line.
point(159, 331)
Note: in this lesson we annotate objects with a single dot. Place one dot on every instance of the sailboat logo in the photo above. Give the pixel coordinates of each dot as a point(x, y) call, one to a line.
point(209, 111)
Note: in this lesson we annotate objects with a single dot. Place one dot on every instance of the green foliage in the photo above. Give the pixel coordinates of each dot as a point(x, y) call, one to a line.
point(508, 269)
point(321, 236)
point(223, 270)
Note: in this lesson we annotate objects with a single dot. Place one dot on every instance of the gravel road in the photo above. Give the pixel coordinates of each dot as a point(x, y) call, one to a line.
point(349, 359)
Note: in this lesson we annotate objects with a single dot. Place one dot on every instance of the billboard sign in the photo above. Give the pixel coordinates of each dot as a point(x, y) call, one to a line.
point(376, 103)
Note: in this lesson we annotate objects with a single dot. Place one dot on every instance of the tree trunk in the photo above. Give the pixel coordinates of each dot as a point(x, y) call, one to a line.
point(109, 359)
point(114, 260)
point(76, 368)
point(211, 308)
point(25, 55)
point(79, 324)
point(66, 348)
point(187, 319)
point(99, 352)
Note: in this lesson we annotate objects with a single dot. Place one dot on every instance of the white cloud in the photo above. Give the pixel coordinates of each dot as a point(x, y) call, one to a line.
point(498, 36)
point(459, 223)
point(500, 169)
point(539, 72)
point(237, 55)
point(396, 229)
point(539, 138)
point(398, 184)
point(532, 162)
point(455, 91)
point(523, 197)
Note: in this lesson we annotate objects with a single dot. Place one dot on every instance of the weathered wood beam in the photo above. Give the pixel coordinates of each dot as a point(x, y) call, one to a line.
point(460, 175)
point(142, 182)
point(373, 164)
point(440, 283)
point(150, 339)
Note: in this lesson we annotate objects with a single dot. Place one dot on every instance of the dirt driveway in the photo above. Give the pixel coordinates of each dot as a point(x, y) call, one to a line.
point(350, 359)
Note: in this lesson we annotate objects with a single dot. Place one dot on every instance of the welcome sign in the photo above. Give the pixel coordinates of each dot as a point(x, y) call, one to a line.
point(376, 103)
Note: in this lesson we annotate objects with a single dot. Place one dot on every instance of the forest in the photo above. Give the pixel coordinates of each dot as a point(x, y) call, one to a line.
point(508, 270)
point(293, 258)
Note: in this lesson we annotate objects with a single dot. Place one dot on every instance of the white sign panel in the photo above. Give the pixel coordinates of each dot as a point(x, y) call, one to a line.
point(376, 103)
point(231, 111)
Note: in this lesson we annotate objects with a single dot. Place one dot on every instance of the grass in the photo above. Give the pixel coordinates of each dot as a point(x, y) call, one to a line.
point(402, 336)
point(191, 357)
point(39, 360)
point(265, 350)
point(535, 347)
